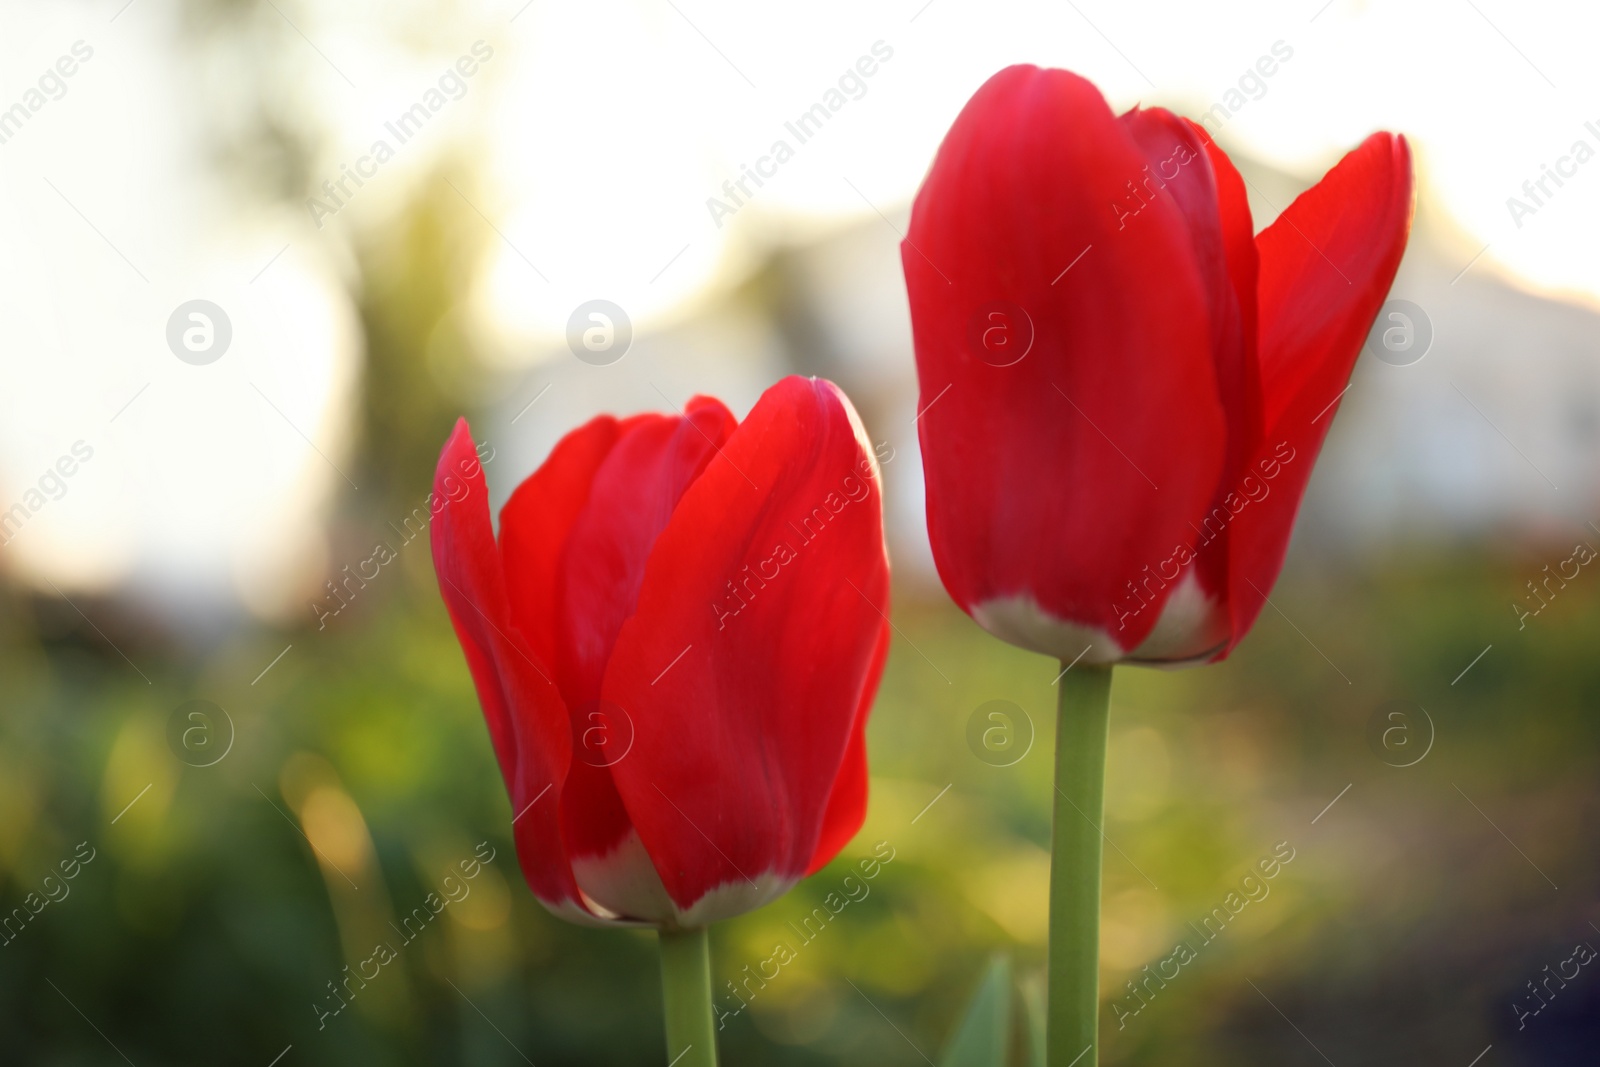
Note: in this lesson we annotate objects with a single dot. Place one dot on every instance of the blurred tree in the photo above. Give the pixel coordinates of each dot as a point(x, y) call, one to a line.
point(421, 365)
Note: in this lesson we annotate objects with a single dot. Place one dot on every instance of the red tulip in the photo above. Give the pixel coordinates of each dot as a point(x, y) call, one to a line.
point(1123, 390)
point(676, 641)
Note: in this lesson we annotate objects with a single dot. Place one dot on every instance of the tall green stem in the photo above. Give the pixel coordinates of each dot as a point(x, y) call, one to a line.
point(686, 998)
point(1072, 1027)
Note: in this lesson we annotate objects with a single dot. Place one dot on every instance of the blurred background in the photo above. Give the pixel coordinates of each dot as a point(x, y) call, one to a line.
point(216, 791)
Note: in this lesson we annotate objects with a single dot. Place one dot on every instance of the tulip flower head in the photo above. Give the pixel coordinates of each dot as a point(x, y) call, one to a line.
point(676, 638)
point(1124, 388)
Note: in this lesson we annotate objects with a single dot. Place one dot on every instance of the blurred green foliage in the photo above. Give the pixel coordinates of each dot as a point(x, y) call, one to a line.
point(206, 927)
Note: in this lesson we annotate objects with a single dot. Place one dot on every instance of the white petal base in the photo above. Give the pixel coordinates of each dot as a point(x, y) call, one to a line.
point(622, 885)
point(1019, 620)
point(1192, 626)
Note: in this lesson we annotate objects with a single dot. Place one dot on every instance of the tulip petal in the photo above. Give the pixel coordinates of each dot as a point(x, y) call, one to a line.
point(1209, 190)
point(1029, 203)
point(536, 522)
point(1326, 266)
point(749, 658)
point(847, 805)
point(1178, 167)
point(634, 492)
point(535, 527)
point(526, 717)
point(1196, 616)
point(1239, 243)
point(1238, 365)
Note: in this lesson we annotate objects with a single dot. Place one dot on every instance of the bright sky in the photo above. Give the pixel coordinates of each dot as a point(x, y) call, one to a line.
point(596, 132)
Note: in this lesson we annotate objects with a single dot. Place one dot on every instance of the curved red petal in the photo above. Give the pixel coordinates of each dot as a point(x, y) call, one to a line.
point(526, 717)
point(1053, 482)
point(749, 657)
point(631, 497)
point(847, 805)
point(1178, 167)
point(536, 522)
point(1238, 364)
point(1326, 266)
point(1210, 192)
point(1239, 246)
point(1238, 371)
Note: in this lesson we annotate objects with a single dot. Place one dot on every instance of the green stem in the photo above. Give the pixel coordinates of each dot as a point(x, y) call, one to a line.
point(1072, 1027)
point(686, 998)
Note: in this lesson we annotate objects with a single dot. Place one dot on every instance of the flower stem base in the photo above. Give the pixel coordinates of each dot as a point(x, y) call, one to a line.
point(1072, 1019)
point(686, 998)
